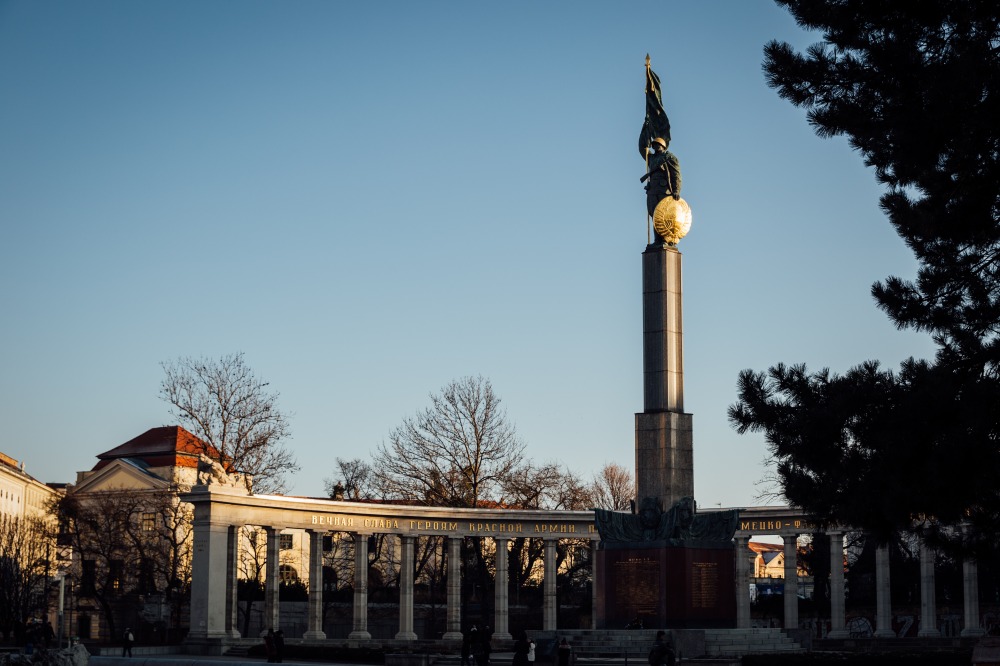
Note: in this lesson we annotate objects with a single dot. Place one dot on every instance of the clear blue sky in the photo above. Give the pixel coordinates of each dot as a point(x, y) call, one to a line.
point(372, 199)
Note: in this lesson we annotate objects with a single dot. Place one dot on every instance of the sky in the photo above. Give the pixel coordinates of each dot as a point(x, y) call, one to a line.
point(369, 200)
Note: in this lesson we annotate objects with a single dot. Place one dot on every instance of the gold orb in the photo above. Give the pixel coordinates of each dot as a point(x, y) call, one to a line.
point(672, 219)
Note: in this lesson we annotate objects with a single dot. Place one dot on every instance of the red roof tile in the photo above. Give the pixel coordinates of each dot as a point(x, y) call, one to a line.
point(158, 447)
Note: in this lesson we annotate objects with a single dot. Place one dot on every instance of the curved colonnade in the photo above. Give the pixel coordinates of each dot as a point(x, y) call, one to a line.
point(220, 512)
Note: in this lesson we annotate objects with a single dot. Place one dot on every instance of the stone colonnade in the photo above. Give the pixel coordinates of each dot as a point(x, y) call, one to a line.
point(790, 524)
point(219, 515)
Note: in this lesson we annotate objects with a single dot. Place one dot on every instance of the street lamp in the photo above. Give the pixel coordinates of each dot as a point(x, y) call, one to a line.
point(62, 603)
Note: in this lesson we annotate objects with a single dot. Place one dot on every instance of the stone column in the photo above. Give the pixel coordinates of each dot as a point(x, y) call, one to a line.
point(838, 617)
point(454, 589)
point(406, 632)
point(594, 582)
point(743, 582)
point(501, 594)
point(232, 576)
point(208, 592)
point(272, 609)
point(549, 608)
point(970, 598)
point(315, 631)
point(360, 629)
point(664, 454)
point(883, 596)
point(928, 598)
point(791, 596)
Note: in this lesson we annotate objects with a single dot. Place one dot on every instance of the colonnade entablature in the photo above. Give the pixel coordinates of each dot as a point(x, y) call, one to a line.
point(376, 518)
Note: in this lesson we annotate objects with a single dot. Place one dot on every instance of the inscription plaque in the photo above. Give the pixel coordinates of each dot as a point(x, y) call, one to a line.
point(638, 580)
point(704, 584)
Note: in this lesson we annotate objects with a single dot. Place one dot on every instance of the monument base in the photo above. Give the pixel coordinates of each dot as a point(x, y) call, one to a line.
point(667, 586)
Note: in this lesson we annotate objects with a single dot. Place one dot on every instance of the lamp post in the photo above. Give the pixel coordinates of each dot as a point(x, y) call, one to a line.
point(62, 603)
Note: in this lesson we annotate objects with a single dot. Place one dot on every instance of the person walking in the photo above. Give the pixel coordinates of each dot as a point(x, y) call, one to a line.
point(466, 649)
point(269, 646)
point(485, 648)
point(531, 651)
point(521, 650)
point(127, 640)
point(661, 653)
point(565, 653)
point(279, 646)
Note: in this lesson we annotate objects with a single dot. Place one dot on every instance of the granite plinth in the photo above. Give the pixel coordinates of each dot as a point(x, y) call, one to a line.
point(667, 586)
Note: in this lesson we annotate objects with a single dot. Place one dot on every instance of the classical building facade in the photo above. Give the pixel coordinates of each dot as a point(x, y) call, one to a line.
point(132, 492)
point(22, 495)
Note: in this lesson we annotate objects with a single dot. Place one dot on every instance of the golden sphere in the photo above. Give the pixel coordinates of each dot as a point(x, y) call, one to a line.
point(672, 219)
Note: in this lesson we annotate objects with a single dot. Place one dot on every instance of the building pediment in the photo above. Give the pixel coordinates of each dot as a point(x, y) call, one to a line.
point(120, 475)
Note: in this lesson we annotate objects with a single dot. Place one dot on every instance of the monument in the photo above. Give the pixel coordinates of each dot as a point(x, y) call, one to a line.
point(664, 456)
point(675, 567)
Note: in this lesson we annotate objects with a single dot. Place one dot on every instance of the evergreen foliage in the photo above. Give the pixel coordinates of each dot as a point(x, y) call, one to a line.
point(914, 85)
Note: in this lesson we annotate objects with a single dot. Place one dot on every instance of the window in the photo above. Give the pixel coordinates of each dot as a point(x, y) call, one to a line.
point(287, 573)
point(88, 576)
point(116, 575)
point(327, 543)
point(285, 541)
point(148, 522)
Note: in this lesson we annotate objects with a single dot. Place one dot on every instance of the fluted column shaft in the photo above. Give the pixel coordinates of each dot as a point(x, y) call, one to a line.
point(928, 597)
point(360, 626)
point(501, 594)
point(232, 576)
point(742, 582)
point(272, 578)
point(549, 609)
point(315, 621)
point(970, 598)
point(791, 595)
point(594, 582)
point(406, 632)
point(883, 595)
point(454, 589)
point(838, 618)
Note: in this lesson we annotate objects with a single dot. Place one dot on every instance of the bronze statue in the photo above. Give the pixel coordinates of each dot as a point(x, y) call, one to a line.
point(674, 527)
point(663, 169)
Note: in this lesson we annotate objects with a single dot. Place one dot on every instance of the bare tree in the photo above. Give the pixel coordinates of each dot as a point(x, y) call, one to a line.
point(128, 543)
point(457, 452)
point(251, 563)
point(354, 478)
point(551, 487)
point(226, 406)
point(24, 564)
point(612, 488)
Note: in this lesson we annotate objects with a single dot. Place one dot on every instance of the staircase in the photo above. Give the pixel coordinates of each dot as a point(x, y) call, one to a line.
point(738, 642)
point(238, 650)
point(632, 646)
